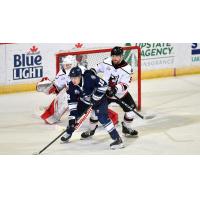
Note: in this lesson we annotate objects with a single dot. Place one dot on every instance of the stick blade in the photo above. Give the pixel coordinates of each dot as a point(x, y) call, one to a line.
point(149, 116)
point(36, 153)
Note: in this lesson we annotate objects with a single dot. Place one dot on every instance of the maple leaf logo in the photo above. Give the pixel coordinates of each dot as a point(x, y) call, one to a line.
point(78, 45)
point(34, 49)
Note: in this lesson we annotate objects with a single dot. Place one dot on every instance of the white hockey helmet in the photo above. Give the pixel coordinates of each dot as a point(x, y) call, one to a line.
point(69, 60)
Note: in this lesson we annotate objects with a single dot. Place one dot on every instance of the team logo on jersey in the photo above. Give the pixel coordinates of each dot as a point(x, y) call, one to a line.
point(93, 77)
point(28, 65)
point(76, 92)
point(114, 78)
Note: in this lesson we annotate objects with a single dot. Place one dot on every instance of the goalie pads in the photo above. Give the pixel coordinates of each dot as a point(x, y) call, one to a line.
point(56, 109)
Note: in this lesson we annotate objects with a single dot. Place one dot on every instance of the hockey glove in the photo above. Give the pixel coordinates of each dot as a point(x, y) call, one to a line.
point(112, 91)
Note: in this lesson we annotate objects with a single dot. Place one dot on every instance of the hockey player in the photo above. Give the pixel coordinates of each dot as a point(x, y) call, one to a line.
point(93, 93)
point(117, 73)
point(59, 105)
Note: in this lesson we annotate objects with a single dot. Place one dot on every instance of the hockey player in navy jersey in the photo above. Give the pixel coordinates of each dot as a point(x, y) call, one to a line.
point(84, 91)
point(117, 74)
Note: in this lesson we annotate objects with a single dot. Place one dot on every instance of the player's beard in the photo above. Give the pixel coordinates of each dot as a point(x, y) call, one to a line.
point(117, 62)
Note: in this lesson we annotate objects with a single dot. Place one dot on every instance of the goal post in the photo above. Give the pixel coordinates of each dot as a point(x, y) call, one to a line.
point(91, 57)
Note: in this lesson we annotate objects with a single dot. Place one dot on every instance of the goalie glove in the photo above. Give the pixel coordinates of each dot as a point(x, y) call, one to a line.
point(111, 92)
point(46, 86)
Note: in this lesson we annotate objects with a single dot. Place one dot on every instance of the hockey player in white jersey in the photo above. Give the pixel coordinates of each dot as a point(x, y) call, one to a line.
point(59, 86)
point(117, 73)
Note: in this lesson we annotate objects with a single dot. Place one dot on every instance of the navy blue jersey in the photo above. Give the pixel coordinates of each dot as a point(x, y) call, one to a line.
point(74, 93)
point(93, 87)
point(91, 91)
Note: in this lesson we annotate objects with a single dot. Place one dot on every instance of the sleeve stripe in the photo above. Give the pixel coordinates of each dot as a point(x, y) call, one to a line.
point(72, 106)
point(71, 110)
point(97, 98)
point(86, 102)
point(102, 89)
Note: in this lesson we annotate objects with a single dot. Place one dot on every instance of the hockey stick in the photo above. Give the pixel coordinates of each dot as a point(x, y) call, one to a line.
point(83, 117)
point(138, 114)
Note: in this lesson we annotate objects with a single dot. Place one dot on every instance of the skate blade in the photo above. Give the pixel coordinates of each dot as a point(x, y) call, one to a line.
point(149, 116)
point(130, 136)
point(120, 146)
point(64, 142)
point(88, 138)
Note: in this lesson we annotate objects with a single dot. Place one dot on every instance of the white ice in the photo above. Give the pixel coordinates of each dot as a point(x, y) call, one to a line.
point(174, 130)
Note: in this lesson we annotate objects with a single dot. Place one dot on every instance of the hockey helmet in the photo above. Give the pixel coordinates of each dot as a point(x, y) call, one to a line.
point(75, 72)
point(117, 51)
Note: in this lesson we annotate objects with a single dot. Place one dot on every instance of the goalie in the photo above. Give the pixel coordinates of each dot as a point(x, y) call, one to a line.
point(58, 86)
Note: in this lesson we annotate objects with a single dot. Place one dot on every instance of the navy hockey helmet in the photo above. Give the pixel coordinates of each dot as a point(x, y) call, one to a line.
point(75, 72)
point(117, 51)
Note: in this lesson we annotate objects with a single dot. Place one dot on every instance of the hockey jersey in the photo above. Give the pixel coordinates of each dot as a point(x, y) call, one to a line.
point(92, 89)
point(120, 75)
point(74, 93)
point(62, 79)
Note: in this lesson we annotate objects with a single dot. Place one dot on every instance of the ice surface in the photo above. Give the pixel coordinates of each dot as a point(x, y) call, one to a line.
point(175, 129)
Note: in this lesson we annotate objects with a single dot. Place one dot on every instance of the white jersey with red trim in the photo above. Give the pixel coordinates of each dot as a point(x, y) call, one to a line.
point(121, 76)
point(62, 79)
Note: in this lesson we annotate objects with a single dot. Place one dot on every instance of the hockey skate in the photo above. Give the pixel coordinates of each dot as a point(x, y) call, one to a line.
point(117, 144)
point(88, 134)
point(65, 138)
point(128, 131)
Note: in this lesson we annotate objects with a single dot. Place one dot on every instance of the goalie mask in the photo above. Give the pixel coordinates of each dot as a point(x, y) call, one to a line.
point(68, 62)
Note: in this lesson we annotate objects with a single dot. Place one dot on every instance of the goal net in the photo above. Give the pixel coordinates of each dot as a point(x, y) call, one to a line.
point(91, 57)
